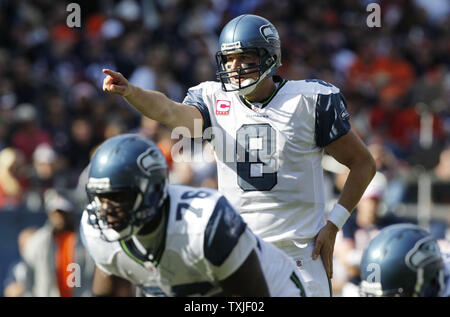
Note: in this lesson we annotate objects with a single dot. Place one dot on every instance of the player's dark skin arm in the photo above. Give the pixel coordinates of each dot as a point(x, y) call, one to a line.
point(247, 281)
point(105, 285)
point(350, 151)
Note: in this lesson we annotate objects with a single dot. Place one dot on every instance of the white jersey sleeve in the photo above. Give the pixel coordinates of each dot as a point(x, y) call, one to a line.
point(269, 159)
point(215, 233)
point(197, 96)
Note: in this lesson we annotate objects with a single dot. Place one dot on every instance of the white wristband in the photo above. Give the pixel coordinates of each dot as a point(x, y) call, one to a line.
point(338, 215)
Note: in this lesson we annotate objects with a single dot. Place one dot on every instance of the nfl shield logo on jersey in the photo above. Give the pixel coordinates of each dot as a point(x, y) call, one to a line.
point(223, 107)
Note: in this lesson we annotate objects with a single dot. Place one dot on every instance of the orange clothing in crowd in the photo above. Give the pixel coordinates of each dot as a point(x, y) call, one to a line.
point(166, 149)
point(390, 77)
point(65, 249)
point(402, 125)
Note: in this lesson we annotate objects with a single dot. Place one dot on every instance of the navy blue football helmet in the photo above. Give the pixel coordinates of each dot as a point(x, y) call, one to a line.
point(402, 260)
point(248, 33)
point(133, 168)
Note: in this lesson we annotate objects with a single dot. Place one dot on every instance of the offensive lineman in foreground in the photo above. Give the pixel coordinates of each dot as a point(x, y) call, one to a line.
point(269, 135)
point(171, 239)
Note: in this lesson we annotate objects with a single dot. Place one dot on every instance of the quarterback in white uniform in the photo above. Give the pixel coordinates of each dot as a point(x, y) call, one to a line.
point(274, 176)
point(269, 136)
point(171, 239)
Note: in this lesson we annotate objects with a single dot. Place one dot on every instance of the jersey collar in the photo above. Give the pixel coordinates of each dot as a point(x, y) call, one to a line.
point(134, 252)
point(263, 104)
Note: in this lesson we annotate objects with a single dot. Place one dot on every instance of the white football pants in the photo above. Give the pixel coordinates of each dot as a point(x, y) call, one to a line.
point(312, 272)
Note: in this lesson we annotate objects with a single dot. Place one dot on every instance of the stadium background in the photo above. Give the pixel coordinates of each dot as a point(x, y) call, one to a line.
point(53, 112)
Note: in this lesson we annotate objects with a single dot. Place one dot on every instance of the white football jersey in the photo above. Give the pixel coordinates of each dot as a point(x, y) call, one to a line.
point(205, 241)
point(269, 158)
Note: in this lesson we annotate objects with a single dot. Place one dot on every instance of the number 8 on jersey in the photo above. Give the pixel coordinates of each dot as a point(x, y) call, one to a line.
point(256, 164)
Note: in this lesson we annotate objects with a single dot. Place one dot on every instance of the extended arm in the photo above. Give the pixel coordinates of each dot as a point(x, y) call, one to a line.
point(153, 104)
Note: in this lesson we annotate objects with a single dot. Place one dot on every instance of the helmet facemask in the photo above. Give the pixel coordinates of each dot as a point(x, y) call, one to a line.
point(244, 87)
point(426, 260)
point(430, 281)
point(130, 210)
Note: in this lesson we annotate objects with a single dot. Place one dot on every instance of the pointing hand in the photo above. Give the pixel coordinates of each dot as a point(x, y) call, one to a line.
point(116, 83)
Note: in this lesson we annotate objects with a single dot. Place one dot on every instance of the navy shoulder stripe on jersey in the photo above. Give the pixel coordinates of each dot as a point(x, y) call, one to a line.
point(332, 118)
point(194, 98)
point(222, 232)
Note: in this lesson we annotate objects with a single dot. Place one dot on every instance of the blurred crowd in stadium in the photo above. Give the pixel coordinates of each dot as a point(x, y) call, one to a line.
point(53, 112)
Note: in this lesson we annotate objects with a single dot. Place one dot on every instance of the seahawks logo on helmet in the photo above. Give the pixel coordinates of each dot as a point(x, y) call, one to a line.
point(424, 252)
point(269, 32)
point(151, 160)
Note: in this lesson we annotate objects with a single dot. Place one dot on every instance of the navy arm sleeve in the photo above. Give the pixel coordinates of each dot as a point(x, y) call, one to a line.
point(194, 98)
point(222, 233)
point(332, 118)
